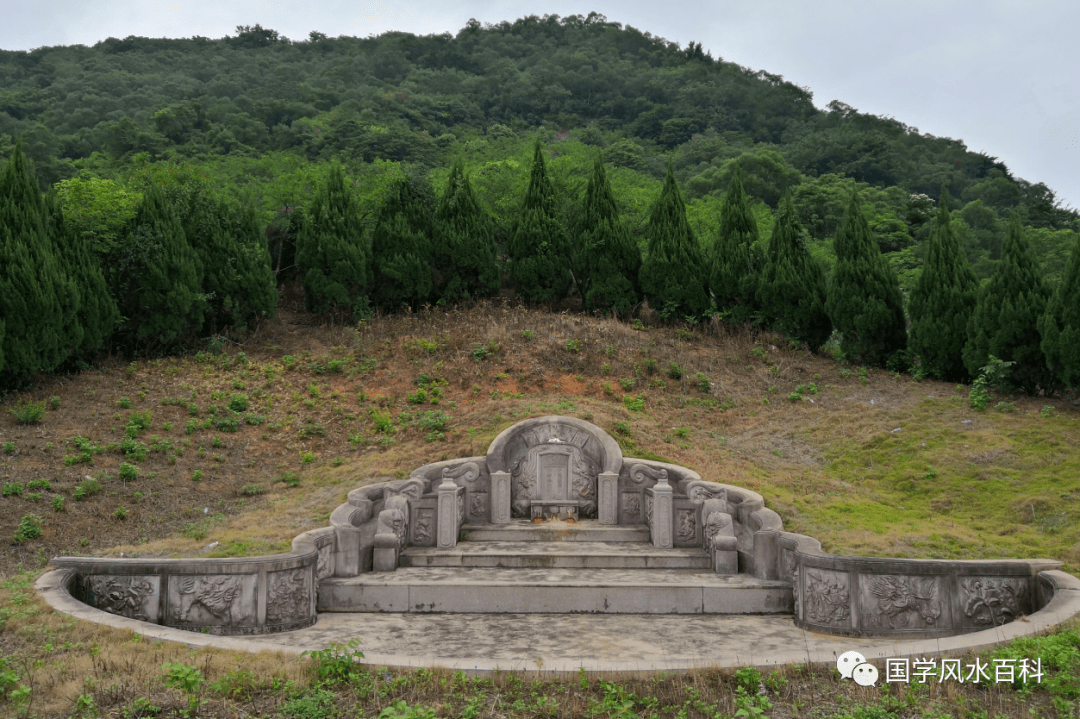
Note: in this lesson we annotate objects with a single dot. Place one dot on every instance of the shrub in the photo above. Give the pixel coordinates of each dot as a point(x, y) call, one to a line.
point(306, 458)
point(434, 421)
point(573, 345)
point(57, 503)
point(336, 663)
point(311, 429)
point(417, 397)
point(88, 488)
point(29, 527)
point(634, 403)
point(480, 352)
point(674, 371)
point(11, 489)
point(9, 448)
point(120, 513)
point(238, 403)
point(39, 484)
point(28, 412)
point(254, 419)
point(252, 490)
point(227, 424)
point(54, 402)
point(128, 472)
point(197, 475)
point(290, 479)
point(123, 403)
point(703, 384)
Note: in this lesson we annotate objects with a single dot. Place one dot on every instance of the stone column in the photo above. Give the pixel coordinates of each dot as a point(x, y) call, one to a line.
point(500, 498)
point(448, 514)
point(767, 554)
point(347, 556)
point(663, 514)
point(607, 490)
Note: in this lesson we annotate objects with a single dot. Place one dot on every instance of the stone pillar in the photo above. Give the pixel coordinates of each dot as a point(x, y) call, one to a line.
point(347, 556)
point(663, 514)
point(500, 498)
point(767, 554)
point(385, 555)
point(448, 514)
point(607, 490)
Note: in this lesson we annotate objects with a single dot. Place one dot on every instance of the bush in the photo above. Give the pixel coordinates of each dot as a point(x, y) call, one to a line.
point(290, 479)
point(137, 422)
point(337, 663)
point(311, 429)
point(227, 424)
point(28, 412)
point(252, 490)
point(39, 484)
point(88, 488)
point(120, 513)
point(128, 472)
point(29, 527)
point(238, 403)
point(634, 403)
point(434, 421)
point(417, 397)
point(674, 371)
point(57, 503)
point(255, 419)
point(54, 402)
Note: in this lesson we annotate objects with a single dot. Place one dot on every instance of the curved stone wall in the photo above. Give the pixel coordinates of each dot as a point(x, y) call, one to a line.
point(230, 596)
point(872, 596)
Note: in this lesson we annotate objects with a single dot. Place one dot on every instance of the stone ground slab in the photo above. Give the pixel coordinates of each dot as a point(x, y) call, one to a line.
point(577, 555)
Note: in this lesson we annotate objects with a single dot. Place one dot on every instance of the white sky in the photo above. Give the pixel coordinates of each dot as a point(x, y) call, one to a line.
point(993, 73)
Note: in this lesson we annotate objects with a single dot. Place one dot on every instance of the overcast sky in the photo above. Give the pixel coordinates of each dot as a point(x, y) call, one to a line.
point(1000, 75)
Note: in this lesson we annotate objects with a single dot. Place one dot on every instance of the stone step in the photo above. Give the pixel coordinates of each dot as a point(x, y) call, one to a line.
point(554, 591)
point(586, 530)
point(556, 555)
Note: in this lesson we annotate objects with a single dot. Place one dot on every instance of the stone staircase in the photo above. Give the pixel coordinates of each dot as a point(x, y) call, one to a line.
point(554, 567)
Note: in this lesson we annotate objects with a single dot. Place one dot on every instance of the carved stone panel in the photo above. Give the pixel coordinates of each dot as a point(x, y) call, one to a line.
point(134, 597)
point(826, 596)
point(899, 602)
point(478, 507)
point(288, 597)
point(630, 508)
point(608, 495)
point(325, 566)
point(685, 527)
point(212, 600)
point(423, 527)
point(992, 601)
point(500, 497)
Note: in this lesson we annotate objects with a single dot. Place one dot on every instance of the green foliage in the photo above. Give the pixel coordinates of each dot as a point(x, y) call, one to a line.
point(1060, 325)
point(156, 277)
point(86, 489)
point(674, 371)
point(674, 276)
point(606, 261)
point(1005, 322)
point(27, 412)
point(993, 376)
point(333, 253)
point(252, 490)
point(864, 301)
point(942, 304)
point(29, 528)
point(401, 710)
point(128, 472)
point(402, 246)
point(11, 489)
point(338, 663)
point(185, 678)
point(464, 247)
point(734, 263)
point(238, 403)
point(539, 247)
point(791, 292)
point(634, 403)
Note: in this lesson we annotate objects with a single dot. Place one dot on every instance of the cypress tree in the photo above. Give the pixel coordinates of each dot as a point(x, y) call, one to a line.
point(38, 301)
point(1060, 326)
point(608, 260)
point(864, 300)
point(237, 278)
point(464, 250)
point(539, 246)
point(157, 277)
point(791, 292)
point(733, 266)
point(673, 273)
point(942, 303)
point(401, 247)
point(96, 311)
point(1005, 322)
point(333, 253)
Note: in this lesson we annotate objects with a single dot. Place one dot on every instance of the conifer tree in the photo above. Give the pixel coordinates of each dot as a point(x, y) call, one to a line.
point(539, 246)
point(733, 266)
point(237, 278)
point(466, 260)
point(607, 260)
point(942, 303)
point(401, 247)
point(96, 312)
point(864, 300)
point(157, 277)
point(333, 253)
point(1060, 326)
point(673, 275)
point(791, 292)
point(1005, 322)
point(38, 301)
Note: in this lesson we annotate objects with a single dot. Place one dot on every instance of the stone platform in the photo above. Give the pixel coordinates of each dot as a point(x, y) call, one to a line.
point(560, 591)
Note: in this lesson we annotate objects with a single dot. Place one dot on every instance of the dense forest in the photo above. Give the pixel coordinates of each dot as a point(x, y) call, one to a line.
point(159, 190)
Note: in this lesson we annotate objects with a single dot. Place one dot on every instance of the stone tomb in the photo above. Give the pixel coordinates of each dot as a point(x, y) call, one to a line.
point(554, 519)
